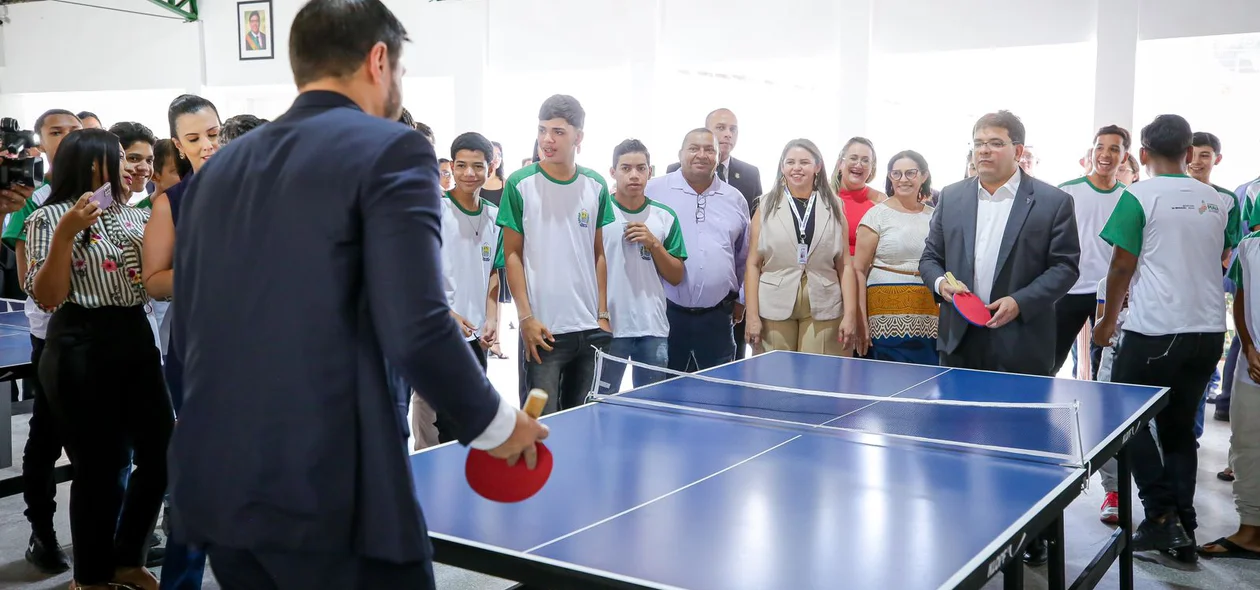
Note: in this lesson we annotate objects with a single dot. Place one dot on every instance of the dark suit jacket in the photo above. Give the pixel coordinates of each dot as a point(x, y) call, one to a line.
point(308, 254)
point(743, 176)
point(1036, 265)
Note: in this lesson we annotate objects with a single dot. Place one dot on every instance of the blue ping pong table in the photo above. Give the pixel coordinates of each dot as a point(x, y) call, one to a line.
point(649, 498)
point(15, 363)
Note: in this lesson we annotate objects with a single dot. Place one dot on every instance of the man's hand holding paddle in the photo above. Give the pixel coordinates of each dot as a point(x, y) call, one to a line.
point(521, 444)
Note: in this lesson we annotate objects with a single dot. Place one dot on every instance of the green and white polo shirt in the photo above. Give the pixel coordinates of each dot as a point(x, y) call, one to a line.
point(1245, 272)
point(470, 243)
point(636, 297)
point(557, 220)
point(1093, 207)
point(1178, 227)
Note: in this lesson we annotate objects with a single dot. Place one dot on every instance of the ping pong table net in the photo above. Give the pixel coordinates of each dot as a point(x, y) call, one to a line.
point(1048, 432)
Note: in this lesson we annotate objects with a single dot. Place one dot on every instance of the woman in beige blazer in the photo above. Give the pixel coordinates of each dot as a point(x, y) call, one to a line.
point(798, 275)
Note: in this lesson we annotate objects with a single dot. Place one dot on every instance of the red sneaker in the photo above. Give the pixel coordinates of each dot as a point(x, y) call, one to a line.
point(1110, 509)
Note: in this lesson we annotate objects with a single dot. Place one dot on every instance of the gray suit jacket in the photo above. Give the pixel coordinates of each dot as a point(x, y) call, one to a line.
point(1036, 265)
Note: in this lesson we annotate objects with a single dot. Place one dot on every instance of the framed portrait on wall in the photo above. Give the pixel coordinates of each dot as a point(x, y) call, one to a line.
point(253, 24)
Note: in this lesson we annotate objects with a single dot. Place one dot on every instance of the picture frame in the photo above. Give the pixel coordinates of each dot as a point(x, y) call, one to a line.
point(254, 38)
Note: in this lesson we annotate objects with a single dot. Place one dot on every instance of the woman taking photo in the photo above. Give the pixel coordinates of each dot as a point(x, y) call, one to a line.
point(797, 279)
point(195, 128)
point(855, 168)
point(899, 311)
point(100, 368)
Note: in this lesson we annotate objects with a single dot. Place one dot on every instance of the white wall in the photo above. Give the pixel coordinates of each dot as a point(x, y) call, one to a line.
point(648, 68)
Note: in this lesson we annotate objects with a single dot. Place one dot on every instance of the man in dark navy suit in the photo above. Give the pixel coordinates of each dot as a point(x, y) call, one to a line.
point(308, 256)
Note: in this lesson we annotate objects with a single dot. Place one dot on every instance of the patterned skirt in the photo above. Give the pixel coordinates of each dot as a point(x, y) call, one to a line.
point(902, 319)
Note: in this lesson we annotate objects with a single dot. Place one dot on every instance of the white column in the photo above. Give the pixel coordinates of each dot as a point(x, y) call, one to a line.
point(853, 20)
point(1116, 63)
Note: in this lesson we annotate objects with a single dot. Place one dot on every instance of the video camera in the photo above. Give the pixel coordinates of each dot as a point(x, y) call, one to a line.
point(21, 169)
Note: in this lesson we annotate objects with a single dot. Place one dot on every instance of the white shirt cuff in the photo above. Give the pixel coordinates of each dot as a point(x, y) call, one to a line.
point(937, 287)
point(499, 430)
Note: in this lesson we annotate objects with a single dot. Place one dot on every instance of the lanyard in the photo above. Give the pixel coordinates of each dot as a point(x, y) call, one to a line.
point(801, 220)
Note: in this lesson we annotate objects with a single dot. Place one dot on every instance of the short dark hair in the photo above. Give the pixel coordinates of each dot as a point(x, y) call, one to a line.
point(237, 126)
point(87, 115)
point(406, 119)
point(39, 123)
point(253, 13)
point(425, 130)
point(187, 104)
point(1126, 139)
point(1168, 136)
point(1202, 138)
point(563, 106)
point(1003, 120)
point(630, 146)
point(332, 38)
point(443, 161)
point(130, 132)
point(473, 142)
point(165, 150)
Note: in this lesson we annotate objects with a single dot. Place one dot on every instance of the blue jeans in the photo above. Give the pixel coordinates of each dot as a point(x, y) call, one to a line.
point(1227, 380)
point(184, 566)
point(700, 338)
point(567, 371)
point(652, 350)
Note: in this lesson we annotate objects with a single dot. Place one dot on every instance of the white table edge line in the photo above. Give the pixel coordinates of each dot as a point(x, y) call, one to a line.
point(556, 562)
point(1119, 431)
point(1023, 520)
point(660, 497)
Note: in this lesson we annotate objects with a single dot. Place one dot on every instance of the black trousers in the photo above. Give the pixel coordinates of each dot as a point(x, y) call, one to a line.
point(237, 569)
point(39, 457)
point(1071, 312)
point(567, 371)
point(102, 374)
point(700, 338)
point(1184, 364)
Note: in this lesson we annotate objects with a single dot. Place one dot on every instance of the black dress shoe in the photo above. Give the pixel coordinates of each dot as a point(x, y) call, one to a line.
point(1165, 536)
point(156, 556)
point(44, 552)
point(1037, 553)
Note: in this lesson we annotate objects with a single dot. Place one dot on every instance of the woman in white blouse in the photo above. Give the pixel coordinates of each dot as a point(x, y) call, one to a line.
point(100, 368)
point(798, 293)
point(900, 312)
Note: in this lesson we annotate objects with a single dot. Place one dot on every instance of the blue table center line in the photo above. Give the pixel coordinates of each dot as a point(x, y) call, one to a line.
point(720, 471)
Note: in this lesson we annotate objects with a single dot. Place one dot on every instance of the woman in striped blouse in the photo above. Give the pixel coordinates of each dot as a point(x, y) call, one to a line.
point(100, 369)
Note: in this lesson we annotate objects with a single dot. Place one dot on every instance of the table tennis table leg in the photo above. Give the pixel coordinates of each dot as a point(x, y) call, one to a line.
point(1013, 574)
point(1125, 482)
point(1057, 573)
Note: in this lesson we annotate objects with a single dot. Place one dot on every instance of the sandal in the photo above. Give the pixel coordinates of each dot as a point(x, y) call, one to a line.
point(1226, 475)
point(1232, 550)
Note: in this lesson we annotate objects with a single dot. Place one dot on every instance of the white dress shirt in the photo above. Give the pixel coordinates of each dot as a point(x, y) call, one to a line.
point(992, 212)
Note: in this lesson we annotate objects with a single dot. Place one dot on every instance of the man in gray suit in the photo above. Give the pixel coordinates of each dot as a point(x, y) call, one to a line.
point(1012, 238)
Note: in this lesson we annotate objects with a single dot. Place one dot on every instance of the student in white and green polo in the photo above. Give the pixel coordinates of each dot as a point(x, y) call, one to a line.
point(1169, 233)
point(644, 246)
point(552, 213)
point(1093, 198)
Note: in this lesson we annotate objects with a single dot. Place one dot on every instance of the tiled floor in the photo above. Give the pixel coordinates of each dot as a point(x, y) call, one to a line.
point(1084, 532)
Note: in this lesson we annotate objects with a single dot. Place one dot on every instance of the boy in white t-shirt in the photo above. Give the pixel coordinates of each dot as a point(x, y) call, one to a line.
point(644, 246)
point(470, 248)
point(1244, 410)
point(552, 213)
point(1170, 233)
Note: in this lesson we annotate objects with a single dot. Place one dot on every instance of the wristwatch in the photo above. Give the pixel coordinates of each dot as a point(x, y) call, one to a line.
point(603, 315)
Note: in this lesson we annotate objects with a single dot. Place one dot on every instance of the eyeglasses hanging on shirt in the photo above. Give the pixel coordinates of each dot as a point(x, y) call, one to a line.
point(802, 224)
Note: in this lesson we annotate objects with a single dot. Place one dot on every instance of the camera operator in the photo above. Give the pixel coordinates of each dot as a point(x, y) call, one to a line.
point(43, 445)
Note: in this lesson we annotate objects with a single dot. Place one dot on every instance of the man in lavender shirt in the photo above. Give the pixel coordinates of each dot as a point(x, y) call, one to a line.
point(714, 220)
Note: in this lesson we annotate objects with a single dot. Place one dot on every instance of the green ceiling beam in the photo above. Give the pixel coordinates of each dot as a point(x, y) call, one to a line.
point(186, 9)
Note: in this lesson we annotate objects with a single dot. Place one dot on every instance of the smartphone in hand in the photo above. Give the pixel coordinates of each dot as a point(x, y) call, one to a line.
point(103, 197)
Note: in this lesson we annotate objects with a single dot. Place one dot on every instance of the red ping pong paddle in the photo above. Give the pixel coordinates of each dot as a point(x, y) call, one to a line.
point(494, 480)
point(969, 304)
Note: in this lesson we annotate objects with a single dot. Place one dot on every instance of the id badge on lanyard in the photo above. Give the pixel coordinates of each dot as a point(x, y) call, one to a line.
point(802, 248)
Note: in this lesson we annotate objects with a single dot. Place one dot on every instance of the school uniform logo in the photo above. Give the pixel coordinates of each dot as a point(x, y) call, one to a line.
point(1204, 207)
point(485, 252)
point(584, 218)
